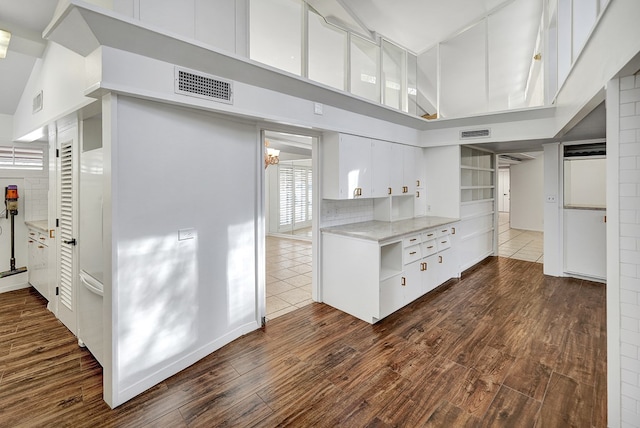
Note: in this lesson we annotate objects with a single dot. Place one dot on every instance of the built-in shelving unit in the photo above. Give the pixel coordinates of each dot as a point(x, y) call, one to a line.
point(477, 205)
point(477, 174)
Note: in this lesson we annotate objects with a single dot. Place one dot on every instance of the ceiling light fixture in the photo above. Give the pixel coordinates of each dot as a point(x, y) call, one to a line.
point(5, 37)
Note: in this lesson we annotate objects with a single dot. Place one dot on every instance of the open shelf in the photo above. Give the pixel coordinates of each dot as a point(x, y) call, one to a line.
point(390, 260)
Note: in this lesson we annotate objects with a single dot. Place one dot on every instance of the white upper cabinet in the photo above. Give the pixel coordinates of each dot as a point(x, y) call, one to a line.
point(358, 167)
point(411, 172)
point(396, 175)
point(346, 167)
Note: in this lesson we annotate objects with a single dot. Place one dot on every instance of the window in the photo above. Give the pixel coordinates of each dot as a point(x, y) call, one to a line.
point(327, 52)
point(276, 34)
point(294, 192)
point(21, 158)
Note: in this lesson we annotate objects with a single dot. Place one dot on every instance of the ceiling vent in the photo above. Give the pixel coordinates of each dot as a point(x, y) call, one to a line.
point(205, 86)
point(476, 133)
point(37, 103)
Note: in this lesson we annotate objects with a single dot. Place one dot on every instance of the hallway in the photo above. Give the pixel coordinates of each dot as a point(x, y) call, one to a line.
point(519, 244)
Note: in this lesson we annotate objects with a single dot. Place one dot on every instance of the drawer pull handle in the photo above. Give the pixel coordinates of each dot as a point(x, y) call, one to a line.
point(412, 253)
point(413, 239)
point(40, 246)
point(431, 234)
point(439, 259)
point(404, 281)
point(443, 242)
point(417, 194)
point(31, 233)
point(417, 183)
point(389, 190)
point(445, 230)
point(429, 247)
point(453, 230)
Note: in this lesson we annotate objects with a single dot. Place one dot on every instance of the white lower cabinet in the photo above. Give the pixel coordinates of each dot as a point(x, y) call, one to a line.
point(371, 279)
point(38, 262)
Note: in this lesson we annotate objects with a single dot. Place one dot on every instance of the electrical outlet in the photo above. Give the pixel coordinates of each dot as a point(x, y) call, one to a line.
point(184, 234)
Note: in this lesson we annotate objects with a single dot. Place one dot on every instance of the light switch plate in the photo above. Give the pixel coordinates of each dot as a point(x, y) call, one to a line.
point(184, 234)
point(318, 108)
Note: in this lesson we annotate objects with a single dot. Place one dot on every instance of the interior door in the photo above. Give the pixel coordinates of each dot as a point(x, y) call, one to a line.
point(67, 213)
point(504, 189)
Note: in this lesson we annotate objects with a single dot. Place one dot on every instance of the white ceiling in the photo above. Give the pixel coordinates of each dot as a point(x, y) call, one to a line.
point(26, 19)
point(415, 24)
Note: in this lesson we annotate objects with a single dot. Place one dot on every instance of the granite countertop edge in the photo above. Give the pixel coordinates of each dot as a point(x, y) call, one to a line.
point(384, 230)
point(41, 225)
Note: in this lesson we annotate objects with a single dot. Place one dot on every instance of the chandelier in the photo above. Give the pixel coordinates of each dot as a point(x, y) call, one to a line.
point(270, 155)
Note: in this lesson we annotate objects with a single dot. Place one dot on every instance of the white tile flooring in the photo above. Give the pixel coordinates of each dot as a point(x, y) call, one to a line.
point(518, 244)
point(288, 275)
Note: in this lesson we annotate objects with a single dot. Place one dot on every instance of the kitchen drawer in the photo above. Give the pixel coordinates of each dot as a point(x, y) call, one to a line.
point(443, 231)
point(411, 240)
point(39, 237)
point(429, 247)
point(411, 254)
point(428, 235)
point(444, 242)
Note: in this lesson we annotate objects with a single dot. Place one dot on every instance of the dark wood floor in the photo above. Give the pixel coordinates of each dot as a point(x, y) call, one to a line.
point(505, 346)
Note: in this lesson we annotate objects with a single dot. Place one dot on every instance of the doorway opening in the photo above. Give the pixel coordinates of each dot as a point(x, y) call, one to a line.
point(520, 206)
point(289, 208)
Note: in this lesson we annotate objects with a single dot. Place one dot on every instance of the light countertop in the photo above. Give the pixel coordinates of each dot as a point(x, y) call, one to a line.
point(40, 225)
point(384, 230)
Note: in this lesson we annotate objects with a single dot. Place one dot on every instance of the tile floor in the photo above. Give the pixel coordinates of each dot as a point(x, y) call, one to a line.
point(288, 275)
point(518, 244)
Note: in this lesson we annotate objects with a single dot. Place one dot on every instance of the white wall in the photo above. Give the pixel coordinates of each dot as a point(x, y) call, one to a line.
point(174, 302)
point(552, 210)
point(527, 195)
point(623, 268)
point(220, 23)
point(60, 75)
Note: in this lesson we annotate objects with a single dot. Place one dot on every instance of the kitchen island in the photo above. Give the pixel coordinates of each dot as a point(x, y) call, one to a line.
point(372, 269)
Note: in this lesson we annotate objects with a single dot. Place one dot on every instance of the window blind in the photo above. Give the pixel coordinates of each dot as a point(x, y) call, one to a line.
point(21, 158)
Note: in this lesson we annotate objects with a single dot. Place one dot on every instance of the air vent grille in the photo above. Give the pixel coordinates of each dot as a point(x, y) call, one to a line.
point(203, 86)
point(476, 133)
point(37, 103)
point(582, 150)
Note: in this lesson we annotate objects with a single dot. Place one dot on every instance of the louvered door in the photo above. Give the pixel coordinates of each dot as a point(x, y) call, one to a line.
point(66, 307)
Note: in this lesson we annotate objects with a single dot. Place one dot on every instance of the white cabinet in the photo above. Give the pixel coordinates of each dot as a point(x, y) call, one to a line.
point(38, 267)
point(411, 169)
point(585, 242)
point(370, 279)
point(358, 167)
point(346, 167)
point(382, 166)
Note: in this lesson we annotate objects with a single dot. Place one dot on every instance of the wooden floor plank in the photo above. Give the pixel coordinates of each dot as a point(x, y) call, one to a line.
point(503, 346)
